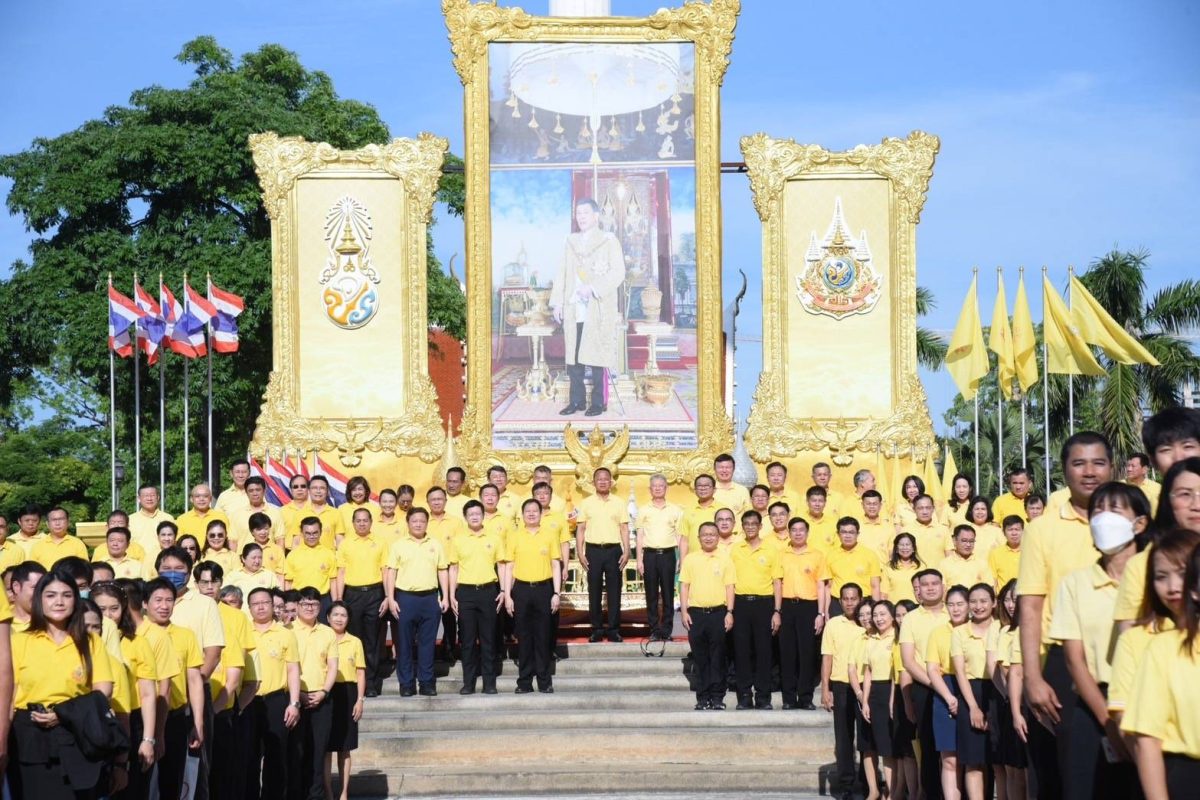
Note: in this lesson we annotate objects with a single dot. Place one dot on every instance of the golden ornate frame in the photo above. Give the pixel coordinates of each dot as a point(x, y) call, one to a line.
point(417, 164)
point(907, 164)
point(709, 27)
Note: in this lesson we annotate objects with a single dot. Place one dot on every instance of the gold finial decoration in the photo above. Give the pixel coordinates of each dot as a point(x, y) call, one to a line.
point(597, 452)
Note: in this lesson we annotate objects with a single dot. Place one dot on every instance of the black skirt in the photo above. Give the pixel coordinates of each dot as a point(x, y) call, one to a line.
point(880, 703)
point(903, 731)
point(343, 732)
point(972, 743)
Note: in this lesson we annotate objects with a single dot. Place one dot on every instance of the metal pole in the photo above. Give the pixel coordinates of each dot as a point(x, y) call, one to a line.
point(1024, 462)
point(1000, 442)
point(162, 412)
point(977, 438)
point(112, 419)
point(1045, 393)
point(1070, 378)
point(209, 469)
point(137, 400)
point(187, 476)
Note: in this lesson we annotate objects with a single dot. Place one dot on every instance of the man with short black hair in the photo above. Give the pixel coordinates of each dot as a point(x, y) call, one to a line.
point(29, 520)
point(1137, 473)
point(233, 501)
point(417, 574)
point(1020, 484)
point(602, 546)
point(59, 543)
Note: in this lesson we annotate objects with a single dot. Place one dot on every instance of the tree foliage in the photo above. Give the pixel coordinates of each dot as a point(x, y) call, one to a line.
point(165, 184)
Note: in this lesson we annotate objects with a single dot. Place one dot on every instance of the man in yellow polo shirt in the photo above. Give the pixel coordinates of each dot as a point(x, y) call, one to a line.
point(194, 521)
point(476, 557)
point(706, 596)
point(29, 522)
point(822, 525)
point(1005, 561)
point(837, 642)
point(1020, 484)
point(757, 612)
point(361, 561)
point(277, 700)
point(1056, 544)
point(417, 570)
point(963, 567)
point(312, 563)
point(233, 501)
point(557, 521)
point(602, 546)
point(777, 475)
point(930, 534)
point(115, 553)
point(728, 494)
point(239, 518)
point(543, 474)
point(852, 562)
point(506, 503)
point(11, 553)
point(703, 510)
point(874, 532)
point(658, 524)
point(332, 530)
point(1137, 473)
point(805, 607)
point(143, 523)
point(317, 646)
point(835, 501)
point(456, 498)
point(59, 543)
point(444, 526)
point(779, 514)
point(294, 510)
point(914, 639)
point(531, 595)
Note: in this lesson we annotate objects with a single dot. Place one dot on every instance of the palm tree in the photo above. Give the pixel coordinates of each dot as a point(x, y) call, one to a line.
point(931, 350)
point(1118, 281)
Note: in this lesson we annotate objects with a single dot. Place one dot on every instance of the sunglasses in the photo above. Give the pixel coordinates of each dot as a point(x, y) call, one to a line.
point(299, 485)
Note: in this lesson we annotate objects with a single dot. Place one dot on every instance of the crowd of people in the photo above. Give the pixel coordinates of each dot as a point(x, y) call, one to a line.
point(1016, 647)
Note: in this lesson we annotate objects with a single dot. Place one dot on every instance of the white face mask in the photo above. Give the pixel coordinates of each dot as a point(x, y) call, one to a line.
point(1111, 531)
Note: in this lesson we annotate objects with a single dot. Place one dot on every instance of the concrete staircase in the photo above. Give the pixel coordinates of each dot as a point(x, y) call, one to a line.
point(618, 723)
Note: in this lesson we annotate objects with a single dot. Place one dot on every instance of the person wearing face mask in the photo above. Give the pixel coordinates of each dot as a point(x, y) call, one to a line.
point(1082, 622)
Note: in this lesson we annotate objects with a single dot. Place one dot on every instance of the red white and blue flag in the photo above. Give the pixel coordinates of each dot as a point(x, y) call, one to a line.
point(123, 314)
point(277, 494)
point(150, 326)
point(175, 334)
point(197, 312)
point(224, 325)
point(337, 481)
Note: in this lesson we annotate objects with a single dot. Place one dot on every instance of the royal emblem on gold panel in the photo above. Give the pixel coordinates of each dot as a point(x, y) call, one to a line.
point(349, 278)
point(838, 279)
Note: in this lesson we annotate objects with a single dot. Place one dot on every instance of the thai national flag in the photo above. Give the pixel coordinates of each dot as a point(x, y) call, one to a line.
point(175, 334)
point(150, 327)
point(224, 324)
point(280, 475)
point(275, 494)
point(337, 481)
point(197, 312)
point(123, 313)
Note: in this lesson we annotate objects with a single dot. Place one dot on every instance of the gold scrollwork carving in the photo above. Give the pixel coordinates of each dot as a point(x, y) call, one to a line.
point(281, 429)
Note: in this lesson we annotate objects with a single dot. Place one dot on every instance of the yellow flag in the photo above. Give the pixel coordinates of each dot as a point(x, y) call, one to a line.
point(881, 480)
point(896, 482)
point(933, 486)
point(949, 470)
point(1099, 328)
point(1067, 353)
point(966, 358)
point(1000, 342)
point(1024, 339)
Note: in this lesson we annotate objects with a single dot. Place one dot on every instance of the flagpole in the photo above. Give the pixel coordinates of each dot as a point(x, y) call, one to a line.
point(211, 482)
point(112, 416)
point(1045, 392)
point(1070, 378)
point(137, 401)
point(187, 477)
point(1000, 402)
point(162, 410)
point(1024, 461)
point(977, 438)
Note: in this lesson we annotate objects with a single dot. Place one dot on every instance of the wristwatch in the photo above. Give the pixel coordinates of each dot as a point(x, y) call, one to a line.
point(150, 741)
point(295, 705)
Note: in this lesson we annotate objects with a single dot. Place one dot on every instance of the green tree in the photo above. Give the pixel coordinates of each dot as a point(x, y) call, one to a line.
point(165, 185)
point(931, 350)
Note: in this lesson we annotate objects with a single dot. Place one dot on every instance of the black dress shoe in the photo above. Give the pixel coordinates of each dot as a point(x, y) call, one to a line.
point(428, 691)
point(467, 690)
point(407, 691)
point(716, 706)
point(807, 707)
point(789, 706)
point(372, 693)
point(547, 690)
point(743, 705)
point(597, 636)
point(595, 411)
point(490, 690)
point(764, 706)
point(571, 409)
point(614, 636)
point(524, 690)
point(702, 705)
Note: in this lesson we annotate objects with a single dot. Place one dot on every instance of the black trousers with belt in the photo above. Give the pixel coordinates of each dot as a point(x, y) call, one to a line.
point(752, 646)
point(930, 767)
point(707, 639)
point(658, 577)
point(845, 719)
point(222, 777)
point(313, 730)
point(604, 580)
point(280, 748)
point(175, 752)
point(477, 622)
point(363, 603)
point(797, 641)
point(531, 608)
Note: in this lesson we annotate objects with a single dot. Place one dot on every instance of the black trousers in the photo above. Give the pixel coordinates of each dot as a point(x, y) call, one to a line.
point(707, 640)
point(249, 750)
point(797, 641)
point(363, 603)
point(1087, 773)
point(280, 748)
point(1183, 774)
point(313, 730)
point(658, 577)
point(175, 752)
point(1048, 750)
point(604, 579)
point(752, 645)
point(477, 621)
point(531, 608)
point(222, 777)
point(845, 718)
point(930, 766)
point(138, 787)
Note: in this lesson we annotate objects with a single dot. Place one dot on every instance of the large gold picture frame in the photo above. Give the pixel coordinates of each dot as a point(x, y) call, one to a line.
point(907, 166)
point(708, 26)
point(412, 426)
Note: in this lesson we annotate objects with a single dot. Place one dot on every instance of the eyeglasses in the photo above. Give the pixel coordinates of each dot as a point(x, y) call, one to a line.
point(299, 485)
point(1188, 496)
point(309, 604)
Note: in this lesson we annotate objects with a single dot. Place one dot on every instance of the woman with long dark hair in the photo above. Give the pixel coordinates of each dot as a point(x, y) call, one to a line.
point(961, 492)
point(54, 661)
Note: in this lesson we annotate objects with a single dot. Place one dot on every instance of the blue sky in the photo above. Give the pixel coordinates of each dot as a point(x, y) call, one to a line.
point(1067, 128)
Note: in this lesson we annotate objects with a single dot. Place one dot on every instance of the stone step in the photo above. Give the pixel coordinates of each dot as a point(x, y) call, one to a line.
point(678, 699)
point(507, 682)
point(626, 778)
point(585, 717)
point(586, 666)
point(748, 746)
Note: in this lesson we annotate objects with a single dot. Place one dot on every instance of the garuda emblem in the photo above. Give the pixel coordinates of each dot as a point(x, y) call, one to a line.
point(350, 297)
point(838, 279)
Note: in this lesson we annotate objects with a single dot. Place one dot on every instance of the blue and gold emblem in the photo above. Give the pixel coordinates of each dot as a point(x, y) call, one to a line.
point(838, 279)
point(350, 296)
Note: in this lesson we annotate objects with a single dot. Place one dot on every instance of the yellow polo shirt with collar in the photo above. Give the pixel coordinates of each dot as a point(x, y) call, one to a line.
point(557, 522)
point(161, 651)
point(187, 656)
point(446, 528)
point(274, 649)
point(878, 656)
point(49, 550)
point(143, 529)
point(604, 518)
point(735, 497)
point(877, 536)
point(1008, 504)
point(1132, 589)
point(856, 565)
point(509, 506)
point(387, 533)
point(1128, 653)
point(273, 557)
point(12, 554)
point(351, 658)
point(967, 572)
point(965, 642)
point(363, 558)
point(1054, 545)
point(707, 576)
point(822, 533)
point(417, 563)
point(1152, 490)
point(239, 524)
point(896, 582)
point(310, 566)
point(346, 512)
point(199, 615)
point(50, 673)
point(917, 627)
point(1165, 704)
point(477, 555)
point(228, 559)
point(755, 568)
point(987, 537)
point(122, 568)
point(1083, 612)
point(780, 543)
point(236, 652)
point(499, 525)
point(693, 518)
point(532, 554)
point(931, 540)
point(291, 515)
point(937, 649)
point(795, 502)
point(659, 527)
point(1004, 562)
point(803, 571)
point(26, 544)
point(455, 503)
point(316, 644)
point(193, 523)
point(838, 641)
point(331, 525)
point(232, 501)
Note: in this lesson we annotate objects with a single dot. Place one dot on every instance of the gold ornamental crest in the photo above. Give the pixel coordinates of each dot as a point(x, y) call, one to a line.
point(838, 279)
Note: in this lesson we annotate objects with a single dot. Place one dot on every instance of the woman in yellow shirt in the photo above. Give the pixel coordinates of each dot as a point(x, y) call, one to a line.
point(961, 492)
point(988, 534)
point(973, 650)
point(253, 575)
point(946, 694)
point(217, 549)
point(879, 689)
point(347, 699)
point(856, 672)
point(1009, 759)
point(1164, 711)
point(900, 569)
point(904, 715)
point(56, 660)
point(912, 488)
